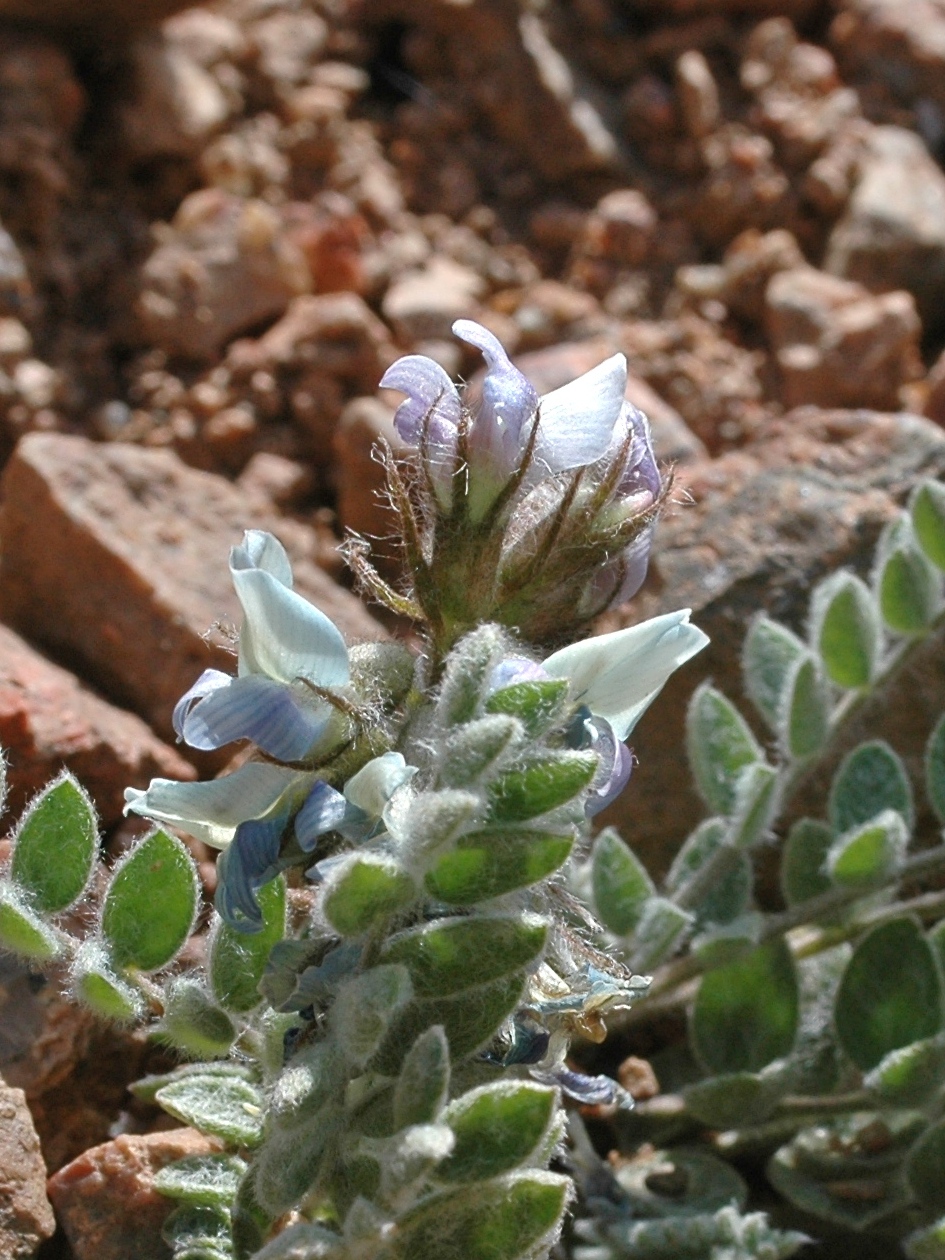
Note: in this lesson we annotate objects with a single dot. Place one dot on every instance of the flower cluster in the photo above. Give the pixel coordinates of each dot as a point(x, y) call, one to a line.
point(535, 512)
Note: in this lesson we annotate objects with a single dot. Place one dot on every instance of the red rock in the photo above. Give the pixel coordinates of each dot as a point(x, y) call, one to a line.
point(698, 94)
point(117, 556)
point(422, 305)
point(106, 1199)
point(838, 345)
point(620, 229)
point(223, 265)
point(892, 235)
point(25, 1215)
point(49, 720)
point(174, 104)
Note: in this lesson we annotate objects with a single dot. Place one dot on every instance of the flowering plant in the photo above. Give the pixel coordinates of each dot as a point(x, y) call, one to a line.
point(402, 954)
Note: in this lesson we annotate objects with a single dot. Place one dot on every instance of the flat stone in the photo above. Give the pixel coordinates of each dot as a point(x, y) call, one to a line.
point(106, 1199)
point(110, 16)
point(115, 557)
point(25, 1215)
point(809, 496)
point(892, 235)
point(49, 721)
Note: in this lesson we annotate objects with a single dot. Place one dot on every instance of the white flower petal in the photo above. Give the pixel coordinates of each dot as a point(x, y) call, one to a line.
point(284, 636)
point(618, 675)
point(264, 551)
point(577, 420)
point(374, 784)
point(213, 810)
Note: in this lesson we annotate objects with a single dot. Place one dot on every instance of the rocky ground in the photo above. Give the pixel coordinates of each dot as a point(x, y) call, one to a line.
point(216, 234)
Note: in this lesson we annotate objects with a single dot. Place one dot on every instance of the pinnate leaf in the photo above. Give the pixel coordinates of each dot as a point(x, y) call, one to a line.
point(203, 1180)
point(804, 861)
point(746, 1013)
point(911, 1075)
point(194, 1023)
point(909, 590)
point(24, 932)
point(151, 903)
point(536, 703)
point(223, 1106)
point(890, 994)
point(730, 895)
point(734, 1099)
point(56, 846)
point(445, 957)
point(366, 888)
point(621, 885)
point(541, 786)
point(659, 932)
point(497, 1128)
point(486, 864)
point(421, 1089)
point(870, 779)
point(720, 745)
point(927, 509)
point(238, 959)
point(806, 714)
point(98, 986)
point(845, 630)
point(925, 1168)
point(870, 854)
point(769, 653)
point(511, 1218)
point(935, 769)
point(756, 805)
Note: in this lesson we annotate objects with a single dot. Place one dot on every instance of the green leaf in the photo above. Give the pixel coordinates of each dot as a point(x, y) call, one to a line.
point(686, 1181)
point(22, 931)
point(512, 1218)
point(288, 1163)
point(536, 704)
point(487, 864)
point(223, 1106)
point(199, 1232)
point(806, 715)
point(927, 508)
point(474, 751)
point(55, 846)
point(890, 994)
point(909, 591)
point(364, 889)
point(446, 956)
point(467, 670)
point(756, 806)
point(151, 903)
point(871, 854)
point(470, 1019)
point(831, 1171)
point(803, 864)
point(926, 1244)
point(870, 779)
point(364, 1008)
point(146, 1087)
point(730, 896)
point(660, 931)
point(194, 1023)
point(497, 1128)
point(540, 786)
point(910, 1076)
point(422, 1086)
point(768, 656)
point(203, 1180)
point(620, 883)
point(238, 959)
point(97, 986)
point(845, 630)
point(719, 744)
point(746, 1013)
point(935, 770)
point(313, 1080)
point(734, 1099)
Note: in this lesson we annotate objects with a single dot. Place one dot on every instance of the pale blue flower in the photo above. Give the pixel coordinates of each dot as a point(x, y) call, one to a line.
point(618, 676)
point(576, 423)
point(287, 647)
